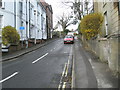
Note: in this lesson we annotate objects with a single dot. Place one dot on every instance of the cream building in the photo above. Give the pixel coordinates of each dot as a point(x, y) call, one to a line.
point(106, 45)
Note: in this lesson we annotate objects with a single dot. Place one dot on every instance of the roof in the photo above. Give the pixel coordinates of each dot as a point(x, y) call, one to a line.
point(45, 5)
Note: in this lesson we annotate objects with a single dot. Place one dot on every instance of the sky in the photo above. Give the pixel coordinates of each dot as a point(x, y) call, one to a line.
point(58, 9)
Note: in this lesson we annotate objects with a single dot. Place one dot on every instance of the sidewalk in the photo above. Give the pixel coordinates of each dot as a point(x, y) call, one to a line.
point(25, 51)
point(89, 72)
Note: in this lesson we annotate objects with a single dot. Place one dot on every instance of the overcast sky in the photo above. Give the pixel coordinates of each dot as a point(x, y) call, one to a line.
point(58, 9)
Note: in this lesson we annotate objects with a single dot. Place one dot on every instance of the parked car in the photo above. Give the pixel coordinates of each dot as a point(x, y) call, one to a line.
point(69, 39)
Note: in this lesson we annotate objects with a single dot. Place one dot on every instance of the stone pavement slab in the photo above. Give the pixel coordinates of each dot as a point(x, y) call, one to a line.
point(83, 72)
point(89, 72)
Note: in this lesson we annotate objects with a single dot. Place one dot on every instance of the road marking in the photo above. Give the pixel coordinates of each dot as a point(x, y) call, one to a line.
point(9, 77)
point(51, 50)
point(64, 69)
point(65, 52)
point(62, 76)
point(64, 85)
point(90, 60)
point(40, 58)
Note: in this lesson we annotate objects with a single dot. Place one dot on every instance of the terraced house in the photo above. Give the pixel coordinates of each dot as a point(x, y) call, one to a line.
point(49, 18)
point(106, 45)
point(27, 16)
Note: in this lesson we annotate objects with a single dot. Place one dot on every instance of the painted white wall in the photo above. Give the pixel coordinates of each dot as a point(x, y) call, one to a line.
point(43, 23)
point(39, 32)
point(8, 14)
point(44, 26)
point(36, 21)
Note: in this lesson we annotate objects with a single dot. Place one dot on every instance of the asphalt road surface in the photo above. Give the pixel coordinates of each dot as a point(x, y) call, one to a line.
point(41, 68)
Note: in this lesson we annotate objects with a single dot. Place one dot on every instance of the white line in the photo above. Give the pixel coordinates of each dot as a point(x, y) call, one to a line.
point(40, 58)
point(90, 60)
point(64, 70)
point(9, 77)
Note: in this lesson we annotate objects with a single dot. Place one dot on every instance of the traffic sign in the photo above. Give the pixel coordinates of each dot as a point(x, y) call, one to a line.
point(22, 28)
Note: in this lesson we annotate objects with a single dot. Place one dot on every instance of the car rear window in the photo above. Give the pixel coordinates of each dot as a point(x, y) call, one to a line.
point(68, 37)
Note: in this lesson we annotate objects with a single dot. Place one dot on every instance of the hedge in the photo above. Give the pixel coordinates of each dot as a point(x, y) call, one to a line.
point(10, 35)
point(91, 24)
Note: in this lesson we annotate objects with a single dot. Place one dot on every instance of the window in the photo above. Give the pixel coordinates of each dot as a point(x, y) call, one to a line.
point(119, 7)
point(21, 7)
point(38, 18)
point(32, 12)
point(104, 3)
point(1, 17)
point(2, 4)
point(106, 24)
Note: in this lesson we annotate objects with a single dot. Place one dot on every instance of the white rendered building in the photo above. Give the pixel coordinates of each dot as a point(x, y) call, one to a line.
point(29, 14)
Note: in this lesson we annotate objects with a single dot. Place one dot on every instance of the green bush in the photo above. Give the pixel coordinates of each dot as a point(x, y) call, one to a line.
point(10, 35)
point(91, 24)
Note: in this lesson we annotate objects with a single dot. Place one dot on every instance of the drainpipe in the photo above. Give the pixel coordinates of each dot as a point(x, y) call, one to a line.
point(42, 25)
point(35, 22)
point(26, 26)
point(29, 21)
point(15, 13)
point(119, 7)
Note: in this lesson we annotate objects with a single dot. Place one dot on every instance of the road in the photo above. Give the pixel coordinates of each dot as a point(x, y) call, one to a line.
point(44, 67)
point(41, 68)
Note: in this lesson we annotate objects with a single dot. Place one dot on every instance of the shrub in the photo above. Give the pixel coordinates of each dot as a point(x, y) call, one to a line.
point(10, 35)
point(91, 24)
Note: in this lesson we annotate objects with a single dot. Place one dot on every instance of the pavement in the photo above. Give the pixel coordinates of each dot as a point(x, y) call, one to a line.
point(25, 51)
point(89, 72)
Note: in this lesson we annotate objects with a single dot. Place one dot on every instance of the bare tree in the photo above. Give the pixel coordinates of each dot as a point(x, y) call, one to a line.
point(79, 7)
point(64, 21)
point(76, 6)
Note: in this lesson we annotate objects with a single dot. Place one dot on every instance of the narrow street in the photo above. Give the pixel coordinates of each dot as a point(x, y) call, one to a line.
point(45, 68)
point(60, 44)
point(39, 69)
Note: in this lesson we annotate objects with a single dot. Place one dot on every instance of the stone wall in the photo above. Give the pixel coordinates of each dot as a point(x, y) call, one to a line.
point(107, 51)
point(114, 52)
point(107, 47)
